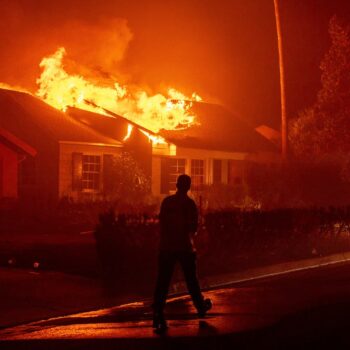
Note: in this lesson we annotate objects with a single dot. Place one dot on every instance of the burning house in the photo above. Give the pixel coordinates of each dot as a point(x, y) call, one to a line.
point(47, 154)
point(216, 149)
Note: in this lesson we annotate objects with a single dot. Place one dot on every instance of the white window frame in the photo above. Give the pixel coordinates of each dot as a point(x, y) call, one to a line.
point(197, 172)
point(92, 169)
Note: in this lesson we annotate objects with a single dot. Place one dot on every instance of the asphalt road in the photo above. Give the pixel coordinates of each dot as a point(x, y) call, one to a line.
point(309, 309)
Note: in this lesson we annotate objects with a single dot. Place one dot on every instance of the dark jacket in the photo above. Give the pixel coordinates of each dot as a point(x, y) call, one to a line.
point(178, 223)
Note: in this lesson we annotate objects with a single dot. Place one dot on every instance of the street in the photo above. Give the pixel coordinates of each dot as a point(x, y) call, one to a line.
point(307, 308)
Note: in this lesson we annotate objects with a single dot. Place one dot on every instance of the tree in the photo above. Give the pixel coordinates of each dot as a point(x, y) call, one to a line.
point(126, 183)
point(323, 130)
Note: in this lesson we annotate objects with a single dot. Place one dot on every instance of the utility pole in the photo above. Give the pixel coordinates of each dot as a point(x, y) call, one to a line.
point(284, 124)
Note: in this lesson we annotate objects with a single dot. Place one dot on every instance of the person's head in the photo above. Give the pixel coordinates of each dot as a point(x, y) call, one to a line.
point(183, 183)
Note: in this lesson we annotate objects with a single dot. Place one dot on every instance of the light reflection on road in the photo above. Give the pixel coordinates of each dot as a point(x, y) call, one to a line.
point(234, 310)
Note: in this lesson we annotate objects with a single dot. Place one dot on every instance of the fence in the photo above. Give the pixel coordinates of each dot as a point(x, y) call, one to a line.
point(228, 240)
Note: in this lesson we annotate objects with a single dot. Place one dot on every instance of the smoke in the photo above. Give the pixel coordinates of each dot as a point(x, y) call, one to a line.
point(11, 15)
point(95, 50)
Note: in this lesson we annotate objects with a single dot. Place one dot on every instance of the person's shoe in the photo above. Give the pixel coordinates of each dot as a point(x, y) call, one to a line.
point(159, 322)
point(205, 307)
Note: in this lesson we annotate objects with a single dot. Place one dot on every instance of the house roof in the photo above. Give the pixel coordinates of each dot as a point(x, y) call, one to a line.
point(21, 112)
point(114, 127)
point(271, 134)
point(218, 129)
point(15, 143)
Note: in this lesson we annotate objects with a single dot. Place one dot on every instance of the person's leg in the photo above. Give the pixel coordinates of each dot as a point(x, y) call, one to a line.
point(166, 264)
point(189, 267)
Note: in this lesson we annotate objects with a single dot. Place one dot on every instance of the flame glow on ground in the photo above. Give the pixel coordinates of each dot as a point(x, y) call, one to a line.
point(154, 112)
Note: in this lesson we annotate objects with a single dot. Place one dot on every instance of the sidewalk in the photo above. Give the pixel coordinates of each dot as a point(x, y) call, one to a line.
point(268, 271)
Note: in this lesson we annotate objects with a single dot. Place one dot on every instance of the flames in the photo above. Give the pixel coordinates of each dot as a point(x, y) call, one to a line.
point(128, 134)
point(153, 112)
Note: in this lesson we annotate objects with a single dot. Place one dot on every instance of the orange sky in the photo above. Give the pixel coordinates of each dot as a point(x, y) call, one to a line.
point(223, 50)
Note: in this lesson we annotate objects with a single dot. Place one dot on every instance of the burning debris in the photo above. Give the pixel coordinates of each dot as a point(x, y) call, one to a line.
point(153, 112)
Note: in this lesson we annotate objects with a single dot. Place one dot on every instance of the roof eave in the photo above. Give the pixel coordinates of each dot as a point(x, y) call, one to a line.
point(20, 144)
point(99, 144)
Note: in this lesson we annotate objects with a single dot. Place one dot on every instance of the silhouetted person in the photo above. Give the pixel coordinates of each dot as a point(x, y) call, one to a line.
point(178, 224)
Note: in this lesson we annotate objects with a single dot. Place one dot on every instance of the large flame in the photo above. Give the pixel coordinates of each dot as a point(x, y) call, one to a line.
point(153, 112)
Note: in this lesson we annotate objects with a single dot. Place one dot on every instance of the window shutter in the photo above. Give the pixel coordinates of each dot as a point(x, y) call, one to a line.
point(164, 176)
point(107, 173)
point(217, 171)
point(77, 171)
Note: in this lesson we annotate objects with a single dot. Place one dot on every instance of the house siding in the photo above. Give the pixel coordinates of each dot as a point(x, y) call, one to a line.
point(156, 175)
point(8, 172)
point(192, 154)
point(44, 190)
point(232, 164)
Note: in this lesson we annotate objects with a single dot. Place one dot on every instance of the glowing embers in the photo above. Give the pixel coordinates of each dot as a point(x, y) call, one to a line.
point(153, 112)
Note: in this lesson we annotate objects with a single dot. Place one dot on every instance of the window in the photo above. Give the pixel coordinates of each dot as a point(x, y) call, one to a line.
point(171, 168)
point(197, 174)
point(91, 172)
point(176, 168)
